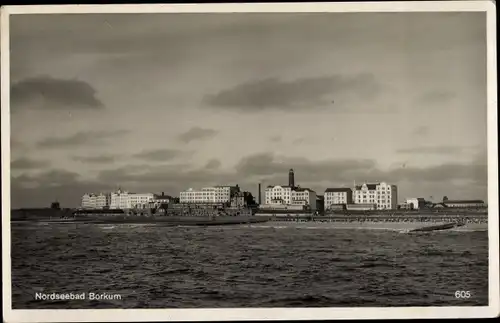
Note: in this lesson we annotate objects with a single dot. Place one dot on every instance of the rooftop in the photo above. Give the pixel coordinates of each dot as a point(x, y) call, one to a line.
point(370, 186)
point(463, 201)
point(338, 189)
point(302, 189)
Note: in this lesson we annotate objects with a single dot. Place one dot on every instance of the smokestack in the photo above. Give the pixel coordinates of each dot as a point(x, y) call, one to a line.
point(291, 178)
point(260, 195)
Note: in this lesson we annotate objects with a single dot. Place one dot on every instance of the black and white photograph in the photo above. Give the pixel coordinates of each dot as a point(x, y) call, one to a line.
point(257, 161)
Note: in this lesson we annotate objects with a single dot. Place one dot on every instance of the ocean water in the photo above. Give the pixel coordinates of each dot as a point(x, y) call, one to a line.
point(245, 266)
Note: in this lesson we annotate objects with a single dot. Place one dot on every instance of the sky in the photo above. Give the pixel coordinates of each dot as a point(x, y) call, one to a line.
point(165, 102)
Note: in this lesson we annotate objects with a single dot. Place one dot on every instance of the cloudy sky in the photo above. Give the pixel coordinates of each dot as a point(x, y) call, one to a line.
point(164, 102)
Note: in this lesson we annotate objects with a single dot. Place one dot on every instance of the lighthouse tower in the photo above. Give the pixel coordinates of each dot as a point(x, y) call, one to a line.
point(291, 178)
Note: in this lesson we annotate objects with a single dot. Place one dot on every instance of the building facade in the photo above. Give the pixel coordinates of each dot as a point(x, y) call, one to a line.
point(96, 201)
point(215, 194)
point(464, 203)
point(127, 200)
point(383, 195)
point(286, 195)
point(242, 199)
point(337, 196)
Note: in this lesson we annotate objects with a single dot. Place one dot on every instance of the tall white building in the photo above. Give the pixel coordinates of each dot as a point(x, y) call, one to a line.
point(127, 200)
point(287, 195)
point(215, 194)
point(384, 195)
point(96, 201)
point(337, 196)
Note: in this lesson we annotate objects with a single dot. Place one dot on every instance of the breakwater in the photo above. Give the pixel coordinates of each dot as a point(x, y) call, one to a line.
point(156, 220)
point(381, 221)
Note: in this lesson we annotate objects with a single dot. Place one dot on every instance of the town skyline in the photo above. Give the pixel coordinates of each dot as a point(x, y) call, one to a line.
point(164, 102)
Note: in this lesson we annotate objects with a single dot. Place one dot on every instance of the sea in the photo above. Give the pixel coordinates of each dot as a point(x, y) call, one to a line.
point(245, 266)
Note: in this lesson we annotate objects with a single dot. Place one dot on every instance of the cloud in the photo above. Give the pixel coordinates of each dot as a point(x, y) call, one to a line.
point(441, 150)
point(16, 144)
point(80, 139)
point(159, 154)
point(197, 133)
point(95, 159)
point(273, 93)
point(441, 173)
point(26, 163)
point(303, 140)
point(213, 164)
point(273, 169)
point(436, 96)
point(42, 189)
point(47, 178)
point(52, 93)
point(275, 138)
point(421, 131)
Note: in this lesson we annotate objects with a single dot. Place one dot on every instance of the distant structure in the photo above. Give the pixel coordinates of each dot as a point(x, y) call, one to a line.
point(55, 205)
point(291, 178)
point(320, 204)
point(383, 195)
point(260, 194)
point(289, 197)
point(415, 203)
point(464, 203)
point(160, 200)
point(337, 198)
point(242, 199)
point(96, 201)
point(214, 194)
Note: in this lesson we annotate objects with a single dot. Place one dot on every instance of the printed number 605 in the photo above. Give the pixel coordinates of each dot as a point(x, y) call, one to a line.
point(462, 294)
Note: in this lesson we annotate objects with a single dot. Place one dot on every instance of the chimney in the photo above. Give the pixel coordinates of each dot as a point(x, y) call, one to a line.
point(291, 178)
point(260, 195)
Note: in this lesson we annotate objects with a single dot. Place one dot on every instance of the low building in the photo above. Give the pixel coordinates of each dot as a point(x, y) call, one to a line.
point(337, 207)
point(361, 207)
point(464, 203)
point(406, 206)
point(242, 199)
point(337, 196)
point(164, 199)
point(417, 202)
point(160, 200)
point(280, 206)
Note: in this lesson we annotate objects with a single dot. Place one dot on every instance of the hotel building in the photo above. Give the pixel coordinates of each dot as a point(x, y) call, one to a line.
point(291, 195)
point(383, 195)
point(127, 200)
point(337, 196)
point(215, 194)
point(96, 201)
point(288, 196)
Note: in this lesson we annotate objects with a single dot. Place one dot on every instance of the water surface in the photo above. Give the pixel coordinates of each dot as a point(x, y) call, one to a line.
point(245, 266)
